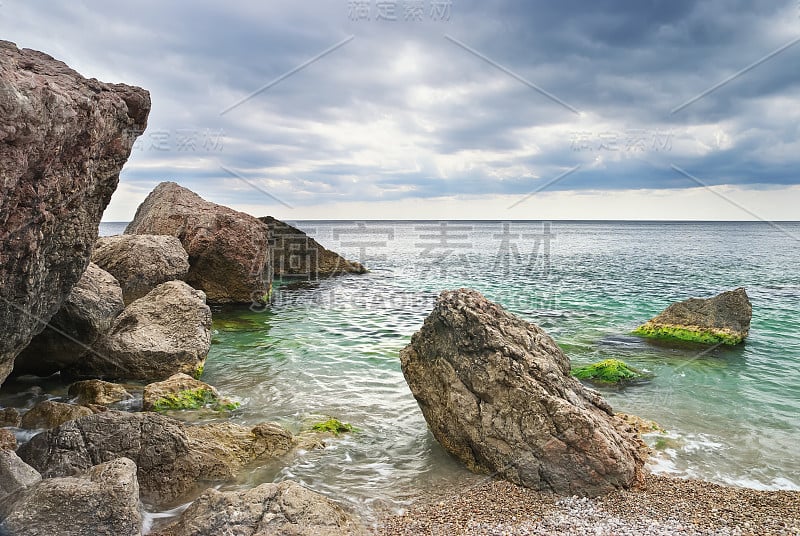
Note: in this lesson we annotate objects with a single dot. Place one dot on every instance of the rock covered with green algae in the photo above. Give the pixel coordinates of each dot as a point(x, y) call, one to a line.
point(180, 392)
point(607, 371)
point(334, 426)
point(723, 319)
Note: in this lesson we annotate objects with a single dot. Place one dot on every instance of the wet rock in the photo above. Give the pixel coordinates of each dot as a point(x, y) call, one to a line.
point(49, 414)
point(63, 141)
point(181, 391)
point(228, 250)
point(141, 262)
point(172, 458)
point(97, 392)
point(88, 312)
point(284, 508)
point(165, 332)
point(723, 319)
point(295, 255)
point(497, 393)
point(104, 500)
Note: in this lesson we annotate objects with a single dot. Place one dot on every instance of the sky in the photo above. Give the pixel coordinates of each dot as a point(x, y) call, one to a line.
point(439, 109)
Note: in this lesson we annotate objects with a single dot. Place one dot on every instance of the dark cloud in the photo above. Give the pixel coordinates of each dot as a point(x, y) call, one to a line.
point(403, 111)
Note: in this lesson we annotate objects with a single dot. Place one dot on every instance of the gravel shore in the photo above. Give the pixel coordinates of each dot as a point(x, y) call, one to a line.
point(668, 506)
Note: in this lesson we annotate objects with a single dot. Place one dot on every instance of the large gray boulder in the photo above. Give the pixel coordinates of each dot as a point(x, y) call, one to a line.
point(723, 319)
point(172, 458)
point(141, 262)
point(102, 501)
point(165, 332)
point(88, 312)
point(497, 393)
point(269, 509)
point(228, 250)
point(63, 141)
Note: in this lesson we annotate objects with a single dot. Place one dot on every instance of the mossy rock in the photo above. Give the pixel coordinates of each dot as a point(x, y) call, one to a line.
point(194, 399)
point(333, 426)
point(688, 333)
point(608, 371)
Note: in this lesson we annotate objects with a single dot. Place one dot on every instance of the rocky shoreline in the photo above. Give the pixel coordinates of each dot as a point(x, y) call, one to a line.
point(496, 391)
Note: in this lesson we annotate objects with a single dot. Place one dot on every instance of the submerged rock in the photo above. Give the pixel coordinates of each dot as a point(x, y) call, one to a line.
point(165, 332)
point(86, 315)
point(228, 250)
point(63, 141)
point(295, 255)
point(141, 262)
point(104, 500)
point(497, 393)
point(91, 392)
point(724, 319)
point(284, 508)
point(608, 371)
point(172, 458)
point(49, 414)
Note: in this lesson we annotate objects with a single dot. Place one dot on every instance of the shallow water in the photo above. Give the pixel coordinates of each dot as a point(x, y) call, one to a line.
point(330, 348)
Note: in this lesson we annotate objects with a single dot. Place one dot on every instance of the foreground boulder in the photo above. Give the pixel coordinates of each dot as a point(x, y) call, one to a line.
point(497, 393)
point(141, 262)
point(63, 141)
point(228, 250)
point(165, 332)
point(104, 500)
point(284, 508)
point(723, 319)
point(88, 312)
point(295, 255)
point(172, 458)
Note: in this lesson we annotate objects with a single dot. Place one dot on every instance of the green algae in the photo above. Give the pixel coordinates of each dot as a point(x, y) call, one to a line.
point(198, 372)
point(334, 426)
point(607, 371)
point(194, 399)
point(707, 336)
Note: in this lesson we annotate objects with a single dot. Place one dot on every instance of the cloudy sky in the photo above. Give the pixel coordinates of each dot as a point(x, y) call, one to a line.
point(461, 109)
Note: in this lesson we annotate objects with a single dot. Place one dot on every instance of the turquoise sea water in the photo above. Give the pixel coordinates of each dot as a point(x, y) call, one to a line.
point(330, 347)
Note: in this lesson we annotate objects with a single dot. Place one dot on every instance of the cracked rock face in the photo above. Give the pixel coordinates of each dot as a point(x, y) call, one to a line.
point(63, 142)
point(497, 393)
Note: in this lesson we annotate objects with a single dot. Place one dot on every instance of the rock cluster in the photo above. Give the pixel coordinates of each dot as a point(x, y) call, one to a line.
point(228, 250)
point(171, 458)
point(723, 319)
point(497, 393)
point(63, 141)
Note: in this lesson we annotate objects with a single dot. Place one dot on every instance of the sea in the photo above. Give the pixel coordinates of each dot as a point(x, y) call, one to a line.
point(329, 348)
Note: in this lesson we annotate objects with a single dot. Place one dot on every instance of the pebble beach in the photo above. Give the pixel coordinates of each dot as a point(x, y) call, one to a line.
point(667, 506)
